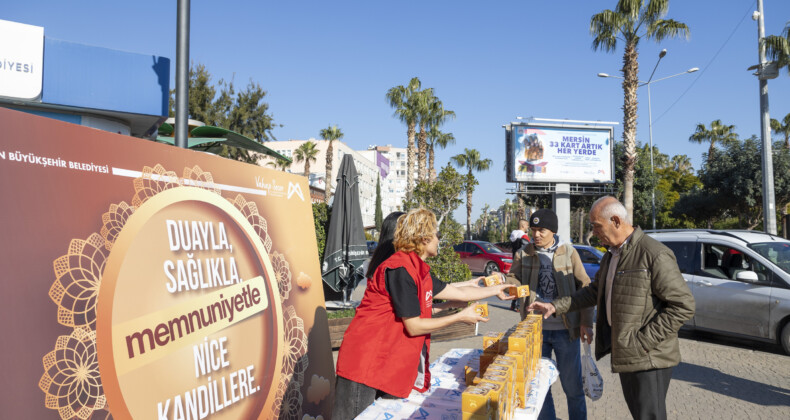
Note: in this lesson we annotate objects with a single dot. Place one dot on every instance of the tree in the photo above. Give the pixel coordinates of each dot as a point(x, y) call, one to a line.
point(279, 164)
point(307, 153)
point(471, 160)
point(431, 116)
point(718, 133)
point(441, 197)
point(404, 100)
point(682, 164)
point(379, 216)
point(732, 179)
point(629, 22)
point(331, 133)
point(782, 128)
point(484, 215)
point(437, 138)
point(243, 112)
point(322, 214)
point(777, 48)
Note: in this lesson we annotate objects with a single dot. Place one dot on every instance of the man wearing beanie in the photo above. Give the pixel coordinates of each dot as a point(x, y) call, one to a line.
point(553, 270)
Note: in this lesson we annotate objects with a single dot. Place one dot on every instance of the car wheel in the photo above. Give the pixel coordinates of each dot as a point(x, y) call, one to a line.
point(785, 338)
point(490, 268)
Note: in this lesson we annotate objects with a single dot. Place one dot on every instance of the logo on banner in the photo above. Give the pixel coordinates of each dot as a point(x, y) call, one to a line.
point(294, 189)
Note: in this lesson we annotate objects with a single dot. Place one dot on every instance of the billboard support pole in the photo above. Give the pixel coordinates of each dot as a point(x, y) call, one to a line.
point(562, 207)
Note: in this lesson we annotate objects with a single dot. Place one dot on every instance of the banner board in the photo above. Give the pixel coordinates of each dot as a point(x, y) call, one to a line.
point(150, 282)
point(21, 60)
point(554, 154)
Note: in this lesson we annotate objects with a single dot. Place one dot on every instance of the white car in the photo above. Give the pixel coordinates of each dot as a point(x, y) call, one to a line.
point(740, 281)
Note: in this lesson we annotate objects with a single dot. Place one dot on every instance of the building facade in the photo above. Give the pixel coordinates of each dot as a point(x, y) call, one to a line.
point(371, 165)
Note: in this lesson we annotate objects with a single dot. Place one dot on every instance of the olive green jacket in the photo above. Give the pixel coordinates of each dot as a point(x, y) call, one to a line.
point(569, 275)
point(650, 302)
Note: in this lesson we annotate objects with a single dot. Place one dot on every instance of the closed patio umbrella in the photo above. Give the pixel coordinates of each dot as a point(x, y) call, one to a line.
point(346, 247)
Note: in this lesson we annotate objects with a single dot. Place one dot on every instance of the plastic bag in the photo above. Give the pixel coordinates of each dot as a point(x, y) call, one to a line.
point(591, 379)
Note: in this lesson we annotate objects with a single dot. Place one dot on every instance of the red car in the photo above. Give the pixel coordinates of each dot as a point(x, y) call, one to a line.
point(484, 257)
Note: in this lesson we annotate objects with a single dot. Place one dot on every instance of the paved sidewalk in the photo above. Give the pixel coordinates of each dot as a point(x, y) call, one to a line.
point(715, 380)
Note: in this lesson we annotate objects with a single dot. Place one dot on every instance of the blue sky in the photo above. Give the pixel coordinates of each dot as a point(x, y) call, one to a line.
point(331, 62)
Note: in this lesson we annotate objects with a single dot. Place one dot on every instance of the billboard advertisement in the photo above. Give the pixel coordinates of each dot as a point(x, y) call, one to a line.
point(145, 281)
point(554, 154)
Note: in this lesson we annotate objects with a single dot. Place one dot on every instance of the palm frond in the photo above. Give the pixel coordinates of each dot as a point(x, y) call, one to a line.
point(777, 49)
point(629, 8)
point(655, 10)
point(605, 26)
point(667, 28)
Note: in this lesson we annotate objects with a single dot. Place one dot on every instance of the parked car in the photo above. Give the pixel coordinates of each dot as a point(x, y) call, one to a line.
point(591, 259)
point(740, 281)
point(484, 257)
point(372, 247)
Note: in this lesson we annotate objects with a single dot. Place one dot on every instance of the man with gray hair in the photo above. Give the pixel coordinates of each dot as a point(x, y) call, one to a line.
point(643, 301)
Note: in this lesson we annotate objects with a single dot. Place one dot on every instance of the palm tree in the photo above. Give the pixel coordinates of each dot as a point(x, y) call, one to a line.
point(431, 115)
point(484, 216)
point(471, 160)
point(682, 164)
point(782, 128)
point(777, 48)
point(279, 164)
point(424, 101)
point(330, 133)
point(723, 134)
point(306, 153)
point(437, 138)
point(629, 22)
point(403, 99)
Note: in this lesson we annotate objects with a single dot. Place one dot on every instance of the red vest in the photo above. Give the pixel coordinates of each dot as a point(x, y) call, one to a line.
point(377, 351)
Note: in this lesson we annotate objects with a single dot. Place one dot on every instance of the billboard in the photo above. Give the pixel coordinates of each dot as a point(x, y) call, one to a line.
point(21, 60)
point(145, 281)
point(553, 154)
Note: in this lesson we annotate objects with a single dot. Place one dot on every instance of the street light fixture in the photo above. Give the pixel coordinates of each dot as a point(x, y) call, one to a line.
point(650, 119)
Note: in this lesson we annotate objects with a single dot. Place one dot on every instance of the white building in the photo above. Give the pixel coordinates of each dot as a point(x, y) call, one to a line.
point(368, 169)
point(393, 185)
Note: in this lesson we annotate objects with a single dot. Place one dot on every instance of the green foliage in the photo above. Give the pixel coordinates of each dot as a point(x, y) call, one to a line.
point(441, 197)
point(732, 188)
point(341, 313)
point(447, 266)
point(321, 215)
point(777, 48)
point(379, 216)
point(220, 105)
point(306, 153)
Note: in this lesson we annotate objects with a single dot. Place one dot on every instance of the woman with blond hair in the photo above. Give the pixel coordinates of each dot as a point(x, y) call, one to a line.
point(385, 349)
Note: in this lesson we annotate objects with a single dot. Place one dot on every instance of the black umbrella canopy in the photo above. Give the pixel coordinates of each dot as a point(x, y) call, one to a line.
point(346, 247)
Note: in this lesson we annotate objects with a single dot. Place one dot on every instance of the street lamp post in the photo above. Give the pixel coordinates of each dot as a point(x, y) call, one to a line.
point(650, 122)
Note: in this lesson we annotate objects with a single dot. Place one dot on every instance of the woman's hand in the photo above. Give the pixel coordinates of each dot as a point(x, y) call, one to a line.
point(470, 316)
point(501, 294)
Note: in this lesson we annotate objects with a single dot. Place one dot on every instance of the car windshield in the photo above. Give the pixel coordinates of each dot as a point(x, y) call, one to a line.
point(490, 248)
point(777, 252)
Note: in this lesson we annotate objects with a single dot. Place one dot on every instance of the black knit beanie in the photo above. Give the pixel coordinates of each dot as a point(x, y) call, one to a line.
point(544, 218)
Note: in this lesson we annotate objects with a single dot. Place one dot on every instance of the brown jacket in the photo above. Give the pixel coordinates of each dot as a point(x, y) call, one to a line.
point(568, 272)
